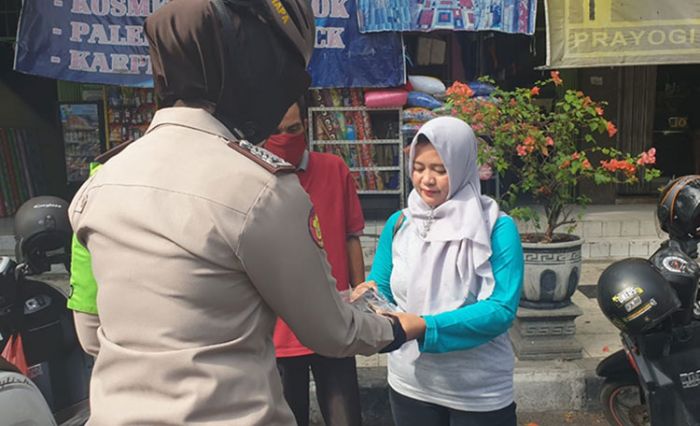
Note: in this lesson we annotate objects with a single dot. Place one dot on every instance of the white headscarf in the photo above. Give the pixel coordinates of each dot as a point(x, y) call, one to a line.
point(457, 232)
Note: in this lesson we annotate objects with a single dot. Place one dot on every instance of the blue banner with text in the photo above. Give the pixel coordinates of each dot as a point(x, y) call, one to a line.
point(103, 41)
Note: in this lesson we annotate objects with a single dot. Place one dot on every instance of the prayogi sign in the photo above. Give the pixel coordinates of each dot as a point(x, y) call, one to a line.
point(593, 33)
point(103, 41)
point(91, 41)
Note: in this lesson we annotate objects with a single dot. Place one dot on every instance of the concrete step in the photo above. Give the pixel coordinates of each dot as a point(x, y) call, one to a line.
point(619, 247)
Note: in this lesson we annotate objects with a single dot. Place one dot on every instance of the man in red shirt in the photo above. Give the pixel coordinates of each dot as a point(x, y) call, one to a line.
point(331, 188)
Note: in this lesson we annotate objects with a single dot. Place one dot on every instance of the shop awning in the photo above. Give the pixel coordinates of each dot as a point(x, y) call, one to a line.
point(594, 33)
point(508, 16)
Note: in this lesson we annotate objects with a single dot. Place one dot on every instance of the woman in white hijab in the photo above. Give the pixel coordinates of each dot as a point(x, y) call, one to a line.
point(455, 260)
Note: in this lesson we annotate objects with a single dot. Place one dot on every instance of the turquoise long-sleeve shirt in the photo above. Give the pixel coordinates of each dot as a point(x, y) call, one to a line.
point(473, 324)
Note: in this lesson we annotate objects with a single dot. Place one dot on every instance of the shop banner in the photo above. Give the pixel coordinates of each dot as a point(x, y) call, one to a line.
point(103, 41)
point(596, 33)
point(509, 16)
point(343, 57)
point(87, 41)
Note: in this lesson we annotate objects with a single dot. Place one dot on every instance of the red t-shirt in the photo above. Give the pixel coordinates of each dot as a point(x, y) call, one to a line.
point(332, 191)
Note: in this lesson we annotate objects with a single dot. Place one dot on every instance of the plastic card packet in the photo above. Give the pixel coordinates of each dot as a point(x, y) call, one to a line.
point(370, 301)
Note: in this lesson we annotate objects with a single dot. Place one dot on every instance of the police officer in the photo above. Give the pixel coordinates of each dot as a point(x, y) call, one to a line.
point(199, 238)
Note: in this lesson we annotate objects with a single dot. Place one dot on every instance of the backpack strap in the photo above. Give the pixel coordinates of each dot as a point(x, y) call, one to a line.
point(398, 223)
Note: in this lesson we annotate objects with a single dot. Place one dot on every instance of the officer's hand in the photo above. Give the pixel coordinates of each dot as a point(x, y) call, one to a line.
point(361, 289)
point(413, 325)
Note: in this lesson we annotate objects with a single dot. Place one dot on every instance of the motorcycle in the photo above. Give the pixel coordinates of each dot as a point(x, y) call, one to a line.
point(35, 311)
point(655, 379)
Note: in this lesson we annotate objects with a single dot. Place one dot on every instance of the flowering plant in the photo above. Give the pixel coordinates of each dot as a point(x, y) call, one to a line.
point(547, 152)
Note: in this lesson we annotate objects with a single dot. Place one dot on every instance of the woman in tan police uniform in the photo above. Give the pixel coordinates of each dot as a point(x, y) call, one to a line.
point(196, 235)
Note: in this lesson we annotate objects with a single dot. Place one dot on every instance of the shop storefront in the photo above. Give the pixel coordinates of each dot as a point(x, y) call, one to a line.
point(645, 60)
point(94, 105)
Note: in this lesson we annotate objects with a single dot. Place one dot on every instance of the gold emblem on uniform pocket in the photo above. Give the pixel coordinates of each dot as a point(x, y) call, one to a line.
point(315, 228)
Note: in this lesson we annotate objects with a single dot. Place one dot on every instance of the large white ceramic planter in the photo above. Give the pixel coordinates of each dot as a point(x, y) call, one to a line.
point(552, 273)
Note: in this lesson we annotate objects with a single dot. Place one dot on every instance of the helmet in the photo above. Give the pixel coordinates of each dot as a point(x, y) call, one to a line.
point(634, 295)
point(246, 58)
point(678, 210)
point(294, 20)
point(42, 227)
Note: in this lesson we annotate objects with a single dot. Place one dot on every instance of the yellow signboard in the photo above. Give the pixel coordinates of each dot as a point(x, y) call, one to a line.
point(594, 33)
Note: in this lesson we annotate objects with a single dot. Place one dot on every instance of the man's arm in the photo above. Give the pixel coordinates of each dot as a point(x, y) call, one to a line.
point(356, 261)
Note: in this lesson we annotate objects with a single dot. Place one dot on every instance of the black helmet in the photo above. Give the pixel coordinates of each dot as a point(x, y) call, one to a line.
point(679, 208)
point(635, 296)
point(42, 228)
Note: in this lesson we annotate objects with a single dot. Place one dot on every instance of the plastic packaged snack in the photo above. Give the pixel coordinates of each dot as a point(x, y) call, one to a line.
point(370, 301)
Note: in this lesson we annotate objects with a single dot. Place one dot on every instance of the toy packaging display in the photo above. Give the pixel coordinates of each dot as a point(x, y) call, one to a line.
point(370, 301)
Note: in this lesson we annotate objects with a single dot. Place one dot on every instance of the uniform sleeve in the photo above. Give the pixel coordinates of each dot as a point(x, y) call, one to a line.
point(86, 326)
point(291, 272)
point(476, 324)
point(382, 264)
point(83, 296)
point(355, 221)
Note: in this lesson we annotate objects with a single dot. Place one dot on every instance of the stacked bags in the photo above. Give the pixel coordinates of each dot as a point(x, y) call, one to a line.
point(423, 102)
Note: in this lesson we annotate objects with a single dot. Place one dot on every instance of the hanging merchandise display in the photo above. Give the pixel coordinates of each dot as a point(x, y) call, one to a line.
point(20, 169)
point(602, 33)
point(343, 57)
point(509, 16)
point(367, 139)
point(129, 112)
point(83, 136)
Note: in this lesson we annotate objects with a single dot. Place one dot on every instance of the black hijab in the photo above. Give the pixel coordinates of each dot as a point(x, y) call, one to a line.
point(225, 53)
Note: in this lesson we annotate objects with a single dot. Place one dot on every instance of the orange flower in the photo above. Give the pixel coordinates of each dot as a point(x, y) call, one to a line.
point(587, 101)
point(586, 164)
point(618, 165)
point(513, 102)
point(575, 156)
point(549, 141)
point(535, 91)
point(565, 164)
point(648, 157)
point(460, 89)
point(599, 110)
point(529, 141)
point(556, 79)
point(522, 151)
point(612, 130)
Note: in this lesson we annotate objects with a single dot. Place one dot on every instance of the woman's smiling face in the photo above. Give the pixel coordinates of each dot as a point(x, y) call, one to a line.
point(430, 175)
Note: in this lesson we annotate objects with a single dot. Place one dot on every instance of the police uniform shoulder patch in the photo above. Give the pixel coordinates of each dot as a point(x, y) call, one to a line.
point(315, 228)
point(262, 157)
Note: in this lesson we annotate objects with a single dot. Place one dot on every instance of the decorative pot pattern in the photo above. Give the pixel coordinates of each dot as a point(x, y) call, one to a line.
point(552, 274)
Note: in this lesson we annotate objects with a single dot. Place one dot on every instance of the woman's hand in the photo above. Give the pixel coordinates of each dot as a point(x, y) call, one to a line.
point(412, 324)
point(361, 289)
